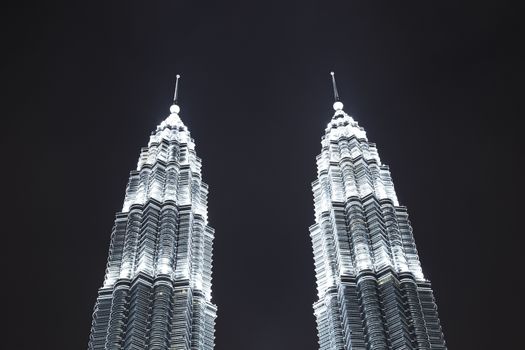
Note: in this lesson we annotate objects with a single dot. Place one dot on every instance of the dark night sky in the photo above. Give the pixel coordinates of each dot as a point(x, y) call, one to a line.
point(436, 86)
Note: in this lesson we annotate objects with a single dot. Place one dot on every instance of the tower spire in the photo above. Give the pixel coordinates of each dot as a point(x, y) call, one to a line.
point(334, 85)
point(174, 106)
point(176, 89)
point(338, 105)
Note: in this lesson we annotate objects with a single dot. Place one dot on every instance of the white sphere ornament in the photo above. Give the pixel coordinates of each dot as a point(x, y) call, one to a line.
point(174, 109)
point(338, 105)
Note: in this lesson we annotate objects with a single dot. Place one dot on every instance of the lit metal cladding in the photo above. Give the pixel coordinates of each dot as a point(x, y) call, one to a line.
point(371, 289)
point(157, 288)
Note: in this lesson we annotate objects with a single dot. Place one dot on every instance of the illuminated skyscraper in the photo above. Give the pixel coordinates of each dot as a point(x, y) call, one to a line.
point(157, 288)
point(372, 292)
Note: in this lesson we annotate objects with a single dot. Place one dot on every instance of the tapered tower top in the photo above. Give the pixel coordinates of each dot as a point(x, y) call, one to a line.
point(338, 105)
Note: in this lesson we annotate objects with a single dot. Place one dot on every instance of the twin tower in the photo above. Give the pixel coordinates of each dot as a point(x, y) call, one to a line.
point(372, 294)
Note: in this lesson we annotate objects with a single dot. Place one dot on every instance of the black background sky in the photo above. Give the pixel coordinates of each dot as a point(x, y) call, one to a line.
point(437, 85)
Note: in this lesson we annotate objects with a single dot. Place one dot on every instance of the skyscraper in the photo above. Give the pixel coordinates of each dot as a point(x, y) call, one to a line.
point(157, 288)
point(371, 289)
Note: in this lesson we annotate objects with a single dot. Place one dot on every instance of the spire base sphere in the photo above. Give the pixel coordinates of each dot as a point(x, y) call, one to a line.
point(338, 105)
point(175, 109)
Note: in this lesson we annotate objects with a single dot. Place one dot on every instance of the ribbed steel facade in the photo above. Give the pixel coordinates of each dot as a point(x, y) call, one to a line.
point(371, 289)
point(157, 288)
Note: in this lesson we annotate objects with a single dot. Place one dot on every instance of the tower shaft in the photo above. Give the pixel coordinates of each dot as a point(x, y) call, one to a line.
point(157, 288)
point(372, 293)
